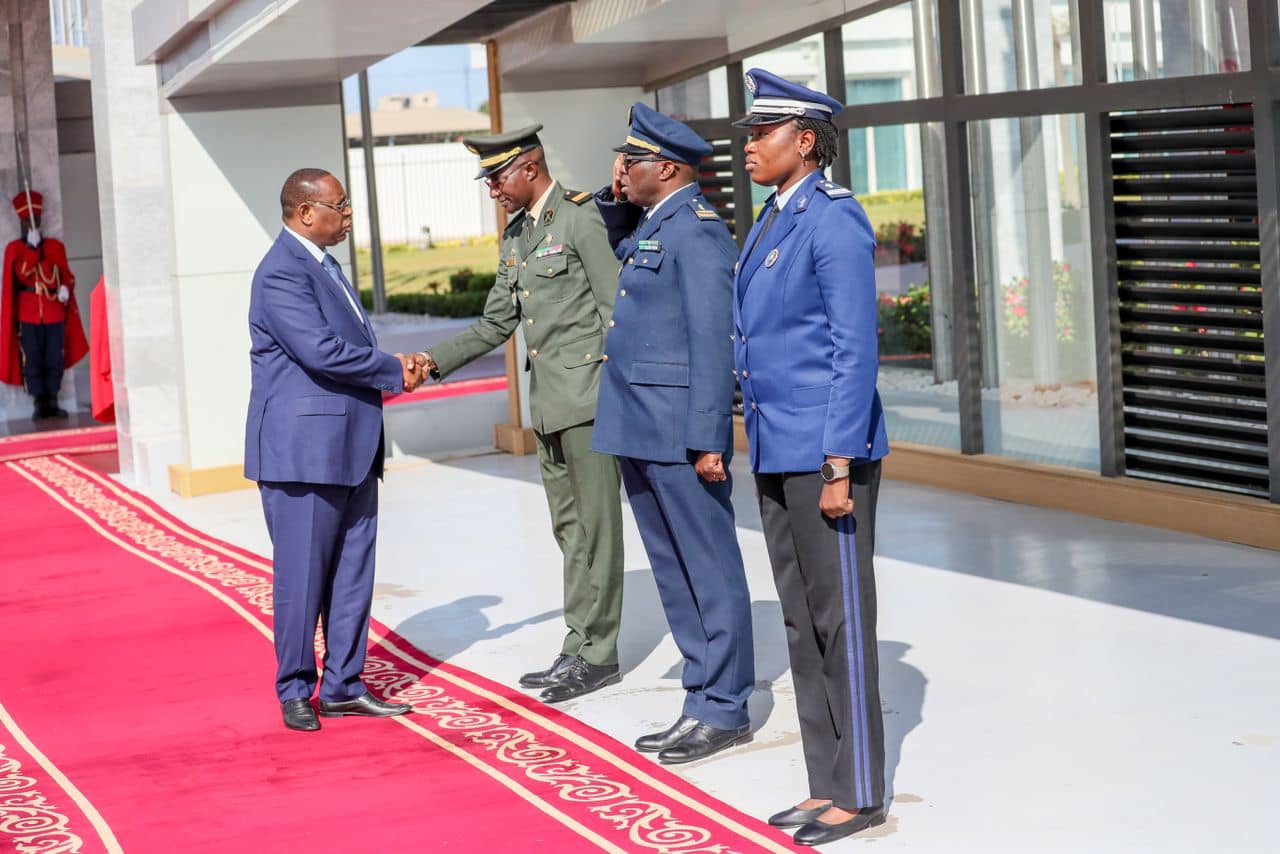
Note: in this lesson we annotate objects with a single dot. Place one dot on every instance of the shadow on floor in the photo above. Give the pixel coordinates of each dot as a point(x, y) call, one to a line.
point(445, 631)
point(1147, 569)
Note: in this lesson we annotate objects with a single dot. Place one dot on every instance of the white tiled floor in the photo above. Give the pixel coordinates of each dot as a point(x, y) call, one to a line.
point(1051, 682)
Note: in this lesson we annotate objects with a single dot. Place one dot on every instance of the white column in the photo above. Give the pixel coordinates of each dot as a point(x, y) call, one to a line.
point(226, 169)
point(137, 248)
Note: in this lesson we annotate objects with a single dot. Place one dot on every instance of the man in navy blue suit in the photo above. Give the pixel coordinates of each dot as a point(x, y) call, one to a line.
point(314, 444)
point(666, 392)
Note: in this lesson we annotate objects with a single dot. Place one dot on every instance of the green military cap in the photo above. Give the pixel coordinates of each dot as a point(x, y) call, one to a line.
point(497, 150)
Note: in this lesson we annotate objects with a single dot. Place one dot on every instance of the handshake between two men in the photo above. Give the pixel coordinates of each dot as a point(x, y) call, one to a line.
point(417, 367)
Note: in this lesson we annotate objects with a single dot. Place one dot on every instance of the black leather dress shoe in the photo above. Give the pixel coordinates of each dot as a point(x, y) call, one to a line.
point(550, 676)
point(796, 817)
point(702, 742)
point(820, 833)
point(581, 678)
point(299, 715)
point(669, 737)
point(367, 706)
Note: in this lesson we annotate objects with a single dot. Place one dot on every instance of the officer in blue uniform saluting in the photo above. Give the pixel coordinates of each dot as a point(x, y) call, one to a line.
point(666, 392)
point(805, 310)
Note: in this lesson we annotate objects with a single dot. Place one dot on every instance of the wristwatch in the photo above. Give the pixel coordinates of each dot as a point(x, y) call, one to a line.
point(832, 473)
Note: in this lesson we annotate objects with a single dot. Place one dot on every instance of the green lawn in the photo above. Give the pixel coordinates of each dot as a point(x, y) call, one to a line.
point(409, 270)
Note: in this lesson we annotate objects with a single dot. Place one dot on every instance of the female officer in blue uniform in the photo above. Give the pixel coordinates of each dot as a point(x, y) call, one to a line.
point(805, 348)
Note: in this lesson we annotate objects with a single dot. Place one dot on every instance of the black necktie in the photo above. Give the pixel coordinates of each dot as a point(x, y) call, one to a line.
point(768, 221)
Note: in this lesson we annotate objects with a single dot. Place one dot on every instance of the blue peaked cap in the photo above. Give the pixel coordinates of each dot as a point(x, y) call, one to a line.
point(777, 100)
point(657, 135)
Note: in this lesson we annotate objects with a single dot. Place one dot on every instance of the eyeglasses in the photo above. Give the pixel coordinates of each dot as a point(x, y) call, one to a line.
point(340, 207)
point(628, 162)
point(501, 182)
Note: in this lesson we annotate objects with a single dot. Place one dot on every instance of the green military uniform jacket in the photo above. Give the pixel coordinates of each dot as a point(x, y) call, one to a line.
point(557, 280)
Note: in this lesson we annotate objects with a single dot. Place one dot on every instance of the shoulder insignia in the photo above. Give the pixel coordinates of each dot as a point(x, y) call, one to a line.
point(701, 210)
point(578, 198)
point(833, 191)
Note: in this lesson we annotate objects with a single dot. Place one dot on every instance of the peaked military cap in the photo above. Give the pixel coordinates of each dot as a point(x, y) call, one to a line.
point(657, 135)
point(777, 100)
point(497, 150)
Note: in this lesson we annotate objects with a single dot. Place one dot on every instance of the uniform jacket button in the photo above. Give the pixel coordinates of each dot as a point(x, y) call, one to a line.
point(612, 324)
point(605, 358)
point(622, 293)
point(533, 353)
point(529, 321)
point(746, 376)
point(526, 294)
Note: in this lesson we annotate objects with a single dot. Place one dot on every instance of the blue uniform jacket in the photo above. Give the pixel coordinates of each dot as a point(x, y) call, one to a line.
point(666, 387)
point(806, 337)
point(315, 400)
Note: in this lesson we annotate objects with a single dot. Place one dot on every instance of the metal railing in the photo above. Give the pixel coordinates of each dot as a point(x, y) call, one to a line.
point(69, 21)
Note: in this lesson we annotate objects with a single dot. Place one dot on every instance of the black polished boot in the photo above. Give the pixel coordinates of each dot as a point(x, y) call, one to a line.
point(550, 676)
point(702, 742)
point(581, 678)
point(669, 737)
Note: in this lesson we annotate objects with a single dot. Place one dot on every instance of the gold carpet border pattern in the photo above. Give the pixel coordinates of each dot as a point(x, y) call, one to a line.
point(27, 819)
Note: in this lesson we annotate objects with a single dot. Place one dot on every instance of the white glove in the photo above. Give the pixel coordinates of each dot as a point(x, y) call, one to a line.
point(64, 293)
point(33, 237)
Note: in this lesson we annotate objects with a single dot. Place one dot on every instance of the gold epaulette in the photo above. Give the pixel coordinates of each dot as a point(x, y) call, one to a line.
point(578, 198)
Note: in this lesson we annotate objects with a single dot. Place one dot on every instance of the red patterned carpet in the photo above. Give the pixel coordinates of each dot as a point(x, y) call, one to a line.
point(137, 714)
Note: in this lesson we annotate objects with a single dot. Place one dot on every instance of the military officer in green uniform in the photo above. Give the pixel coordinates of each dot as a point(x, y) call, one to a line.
point(557, 277)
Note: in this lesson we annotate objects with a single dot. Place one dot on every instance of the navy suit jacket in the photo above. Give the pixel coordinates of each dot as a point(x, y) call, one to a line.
point(666, 386)
point(315, 406)
point(806, 342)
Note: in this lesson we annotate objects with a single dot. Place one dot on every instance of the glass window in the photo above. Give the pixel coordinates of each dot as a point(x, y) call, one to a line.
point(1019, 44)
point(802, 61)
point(880, 49)
point(1031, 244)
point(1174, 38)
point(703, 97)
point(919, 392)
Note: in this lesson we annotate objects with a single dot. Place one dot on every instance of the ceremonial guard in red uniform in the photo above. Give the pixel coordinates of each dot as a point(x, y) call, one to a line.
point(41, 335)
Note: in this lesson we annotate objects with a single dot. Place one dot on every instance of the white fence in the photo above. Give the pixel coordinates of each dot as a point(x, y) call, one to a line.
point(422, 187)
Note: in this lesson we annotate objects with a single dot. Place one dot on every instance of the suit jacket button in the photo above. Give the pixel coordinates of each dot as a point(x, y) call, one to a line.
point(753, 405)
point(746, 376)
point(622, 293)
point(631, 260)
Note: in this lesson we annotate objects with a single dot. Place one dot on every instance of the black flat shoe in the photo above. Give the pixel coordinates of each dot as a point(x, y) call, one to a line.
point(367, 706)
point(581, 678)
point(820, 833)
point(796, 817)
point(669, 737)
point(702, 742)
point(299, 715)
point(551, 676)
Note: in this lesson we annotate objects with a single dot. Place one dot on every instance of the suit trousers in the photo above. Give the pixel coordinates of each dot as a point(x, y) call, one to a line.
point(688, 531)
point(826, 584)
point(584, 496)
point(322, 538)
point(42, 362)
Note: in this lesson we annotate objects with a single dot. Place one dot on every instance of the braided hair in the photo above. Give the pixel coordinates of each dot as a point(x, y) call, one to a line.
point(825, 140)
